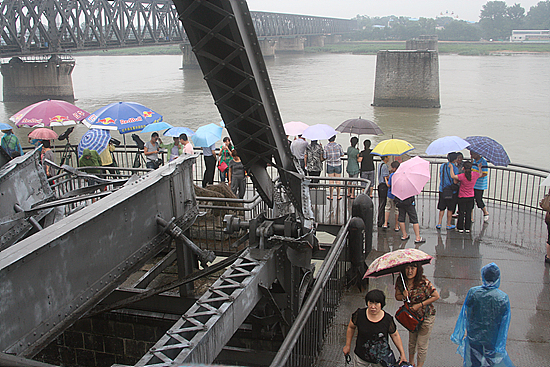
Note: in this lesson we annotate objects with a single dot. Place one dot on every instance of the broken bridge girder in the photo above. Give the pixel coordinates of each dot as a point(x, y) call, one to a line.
point(207, 326)
point(224, 40)
point(79, 260)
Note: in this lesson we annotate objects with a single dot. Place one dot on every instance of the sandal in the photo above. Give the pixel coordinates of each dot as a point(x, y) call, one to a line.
point(396, 229)
point(421, 240)
point(384, 227)
point(405, 238)
point(329, 197)
point(452, 226)
point(438, 226)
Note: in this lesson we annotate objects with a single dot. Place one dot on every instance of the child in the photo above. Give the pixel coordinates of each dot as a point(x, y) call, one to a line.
point(390, 202)
point(236, 175)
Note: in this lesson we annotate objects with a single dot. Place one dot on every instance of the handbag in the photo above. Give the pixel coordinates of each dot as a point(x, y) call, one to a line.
point(222, 166)
point(545, 203)
point(408, 318)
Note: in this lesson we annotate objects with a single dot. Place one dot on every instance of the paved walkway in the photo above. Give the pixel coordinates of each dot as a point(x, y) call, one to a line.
point(513, 239)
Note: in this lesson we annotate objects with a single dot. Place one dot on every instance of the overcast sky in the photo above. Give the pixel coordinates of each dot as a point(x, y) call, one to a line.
point(465, 9)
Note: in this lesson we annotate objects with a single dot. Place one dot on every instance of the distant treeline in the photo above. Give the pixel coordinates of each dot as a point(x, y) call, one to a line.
point(497, 20)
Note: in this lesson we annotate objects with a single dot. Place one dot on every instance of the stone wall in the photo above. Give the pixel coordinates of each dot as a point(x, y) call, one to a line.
point(407, 79)
point(104, 340)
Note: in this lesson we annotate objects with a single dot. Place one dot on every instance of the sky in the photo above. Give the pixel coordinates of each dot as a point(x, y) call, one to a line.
point(465, 9)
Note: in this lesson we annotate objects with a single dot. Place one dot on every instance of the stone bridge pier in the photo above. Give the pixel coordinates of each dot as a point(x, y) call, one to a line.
point(294, 44)
point(315, 41)
point(33, 81)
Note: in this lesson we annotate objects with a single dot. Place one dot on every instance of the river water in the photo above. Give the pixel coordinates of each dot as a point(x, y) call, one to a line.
point(504, 97)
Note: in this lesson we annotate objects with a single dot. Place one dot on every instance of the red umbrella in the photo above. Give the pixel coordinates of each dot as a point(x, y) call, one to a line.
point(51, 112)
point(43, 134)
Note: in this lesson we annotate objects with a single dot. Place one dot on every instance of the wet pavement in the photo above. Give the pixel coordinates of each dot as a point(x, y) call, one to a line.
point(513, 238)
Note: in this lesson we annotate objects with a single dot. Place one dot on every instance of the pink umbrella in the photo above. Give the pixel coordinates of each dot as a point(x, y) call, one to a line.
point(295, 128)
point(43, 134)
point(51, 112)
point(394, 262)
point(410, 178)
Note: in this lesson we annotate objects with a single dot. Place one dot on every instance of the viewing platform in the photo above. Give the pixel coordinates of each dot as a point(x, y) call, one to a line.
point(513, 238)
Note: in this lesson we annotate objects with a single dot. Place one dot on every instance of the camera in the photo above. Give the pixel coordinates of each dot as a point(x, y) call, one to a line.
point(140, 144)
point(66, 133)
point(115, 142)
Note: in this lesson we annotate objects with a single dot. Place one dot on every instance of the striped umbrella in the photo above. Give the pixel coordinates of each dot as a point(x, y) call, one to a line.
point(94, 139)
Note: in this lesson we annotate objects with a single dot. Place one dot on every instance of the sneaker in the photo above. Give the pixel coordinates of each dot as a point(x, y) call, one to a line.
point(486, 218)
point(467, 230)
point(460, 230)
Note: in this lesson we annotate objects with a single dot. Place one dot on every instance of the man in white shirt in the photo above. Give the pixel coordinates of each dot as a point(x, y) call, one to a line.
point(298, 149)
point(187, 146)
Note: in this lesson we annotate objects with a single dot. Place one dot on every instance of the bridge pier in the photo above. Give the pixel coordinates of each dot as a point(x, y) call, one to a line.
point(332, 39)
point(268, 47)
point(32, 81)
point(295, 44)
point(407, 79)
point(315, 41)
point(189, 60)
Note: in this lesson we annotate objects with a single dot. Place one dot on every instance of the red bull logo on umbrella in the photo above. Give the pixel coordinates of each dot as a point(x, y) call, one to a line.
point(147, 113)
point(79, 115)
point(59, 118)
point(31, 121)
point(106, 121)
point(130, 120)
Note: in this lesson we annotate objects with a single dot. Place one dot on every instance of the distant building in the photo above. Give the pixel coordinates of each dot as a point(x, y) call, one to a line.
point(530, 36)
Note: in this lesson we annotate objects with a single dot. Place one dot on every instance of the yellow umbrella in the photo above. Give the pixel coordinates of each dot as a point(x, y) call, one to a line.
point(392, 147)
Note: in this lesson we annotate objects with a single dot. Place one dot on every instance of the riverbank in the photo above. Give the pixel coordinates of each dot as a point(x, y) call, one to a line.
point(361, 48)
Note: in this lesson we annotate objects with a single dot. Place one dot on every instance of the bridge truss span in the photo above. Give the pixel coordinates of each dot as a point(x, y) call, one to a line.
point(40, 27)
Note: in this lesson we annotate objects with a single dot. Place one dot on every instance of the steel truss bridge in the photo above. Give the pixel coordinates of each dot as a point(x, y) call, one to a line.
point(39, 27)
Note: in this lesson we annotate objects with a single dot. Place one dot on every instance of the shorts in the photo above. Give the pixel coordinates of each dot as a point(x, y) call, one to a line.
point(369, 175)
point(354, 175)
point(334, 169)
point(389, 204)
point(449, 204)
point(411, 211)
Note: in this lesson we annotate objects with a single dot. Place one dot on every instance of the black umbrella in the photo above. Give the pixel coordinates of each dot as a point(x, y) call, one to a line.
point(359, 126)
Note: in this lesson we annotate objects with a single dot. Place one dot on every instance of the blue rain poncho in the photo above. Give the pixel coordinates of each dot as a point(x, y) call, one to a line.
point(482, 327)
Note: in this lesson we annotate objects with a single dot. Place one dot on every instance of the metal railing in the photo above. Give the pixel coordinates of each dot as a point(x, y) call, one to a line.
point(305, 338)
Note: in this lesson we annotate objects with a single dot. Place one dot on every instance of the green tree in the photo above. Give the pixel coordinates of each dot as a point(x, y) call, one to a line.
point(459, 30)
point(497, 19)
point(538, 16)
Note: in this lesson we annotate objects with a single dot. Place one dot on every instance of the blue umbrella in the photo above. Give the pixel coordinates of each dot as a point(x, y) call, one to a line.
point(446, 144)
point(94, 139)
point(126, 117)
point(490, 149)
point(178, 130)
point(207, 135)
point(4, 126)
point(157, 126)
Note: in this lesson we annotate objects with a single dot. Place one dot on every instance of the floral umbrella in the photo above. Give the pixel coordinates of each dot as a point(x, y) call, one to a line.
point(394, 262)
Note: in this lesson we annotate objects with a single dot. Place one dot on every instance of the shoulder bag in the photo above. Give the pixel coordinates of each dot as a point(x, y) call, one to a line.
point(408, 318)
point(448, 191)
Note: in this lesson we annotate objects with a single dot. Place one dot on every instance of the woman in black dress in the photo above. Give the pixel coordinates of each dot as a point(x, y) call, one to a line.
point(373, 327)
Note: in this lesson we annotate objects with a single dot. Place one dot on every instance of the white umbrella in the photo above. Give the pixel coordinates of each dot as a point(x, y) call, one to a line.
point(319, 132)
point(546, 181)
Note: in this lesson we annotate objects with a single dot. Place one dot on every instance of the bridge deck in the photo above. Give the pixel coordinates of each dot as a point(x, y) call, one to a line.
point(514, 239)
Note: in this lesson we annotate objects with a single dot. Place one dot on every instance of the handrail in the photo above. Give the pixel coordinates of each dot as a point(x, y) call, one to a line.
point(308, 307)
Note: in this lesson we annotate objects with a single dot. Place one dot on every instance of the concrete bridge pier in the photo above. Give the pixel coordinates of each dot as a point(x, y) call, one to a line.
point(32, 81)
point(294, 44)
point(189, 60)
point(332, 39)
point(268, 47)
point(407, 79)
point(315, 41)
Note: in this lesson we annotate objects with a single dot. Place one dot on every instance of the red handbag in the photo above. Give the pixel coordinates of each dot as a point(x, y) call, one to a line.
point(222, 167)
point(408, 318)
